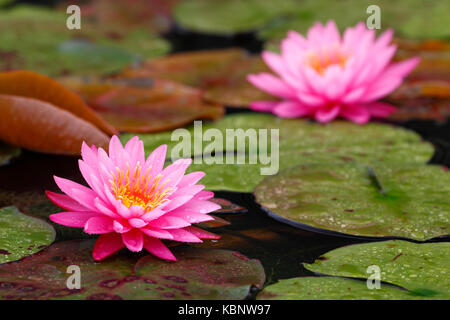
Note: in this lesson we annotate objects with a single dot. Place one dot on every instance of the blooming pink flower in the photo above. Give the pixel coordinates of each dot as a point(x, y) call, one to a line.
point(325, 76)
point(133, 202)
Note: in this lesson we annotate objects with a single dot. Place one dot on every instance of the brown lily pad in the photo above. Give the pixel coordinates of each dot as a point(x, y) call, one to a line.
point(198, 274)
point(40, 126)
point(154, 15)
point(144, 105)
point(37, 86)
point(221, 74)
point(228, 206)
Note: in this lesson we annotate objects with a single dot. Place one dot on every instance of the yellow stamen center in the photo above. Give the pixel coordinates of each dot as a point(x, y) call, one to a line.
point(138, 188)
point(322, 59)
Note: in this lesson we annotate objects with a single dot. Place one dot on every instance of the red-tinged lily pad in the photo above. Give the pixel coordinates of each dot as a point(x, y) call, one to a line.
point(221, 74)
point(7, 153)
point(144, 105)
point(421, 268)
point(389, 200)
point(434, 58)
point(217, 222)
point(198, 274)
point(426, 99)
point(227, 206)
point(21, 235)
point(154, 15)
point(39, 126)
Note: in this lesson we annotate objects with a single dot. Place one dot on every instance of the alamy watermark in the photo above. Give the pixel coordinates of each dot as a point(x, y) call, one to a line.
point(374, 280)
point(236, 146)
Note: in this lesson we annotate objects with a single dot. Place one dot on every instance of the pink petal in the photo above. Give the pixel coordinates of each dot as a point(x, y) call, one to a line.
point(291, 109)
point(380, 109)
point(65, 202)
point(104, 208)
point(177, 202)
point(188, 191)
point(191, 179)
point(204, 195)
point(157, 248)
point(311, 100)
point(271, 84)
point(263, 106)
point(116, 152)
point(169, 222)
point(357, 114)
point(202, 234)
point(121, 226)
point(99, 225)
point(106, 245)
point(73, 219)
point(79, 193)
point(157, 233)
point(183, 236)
point(137, 223)
point(191, 217)
point(133, 240)
point(156, 160)
point(331, 33)
point(200, 206)
point(326, 115)
point(89, 155)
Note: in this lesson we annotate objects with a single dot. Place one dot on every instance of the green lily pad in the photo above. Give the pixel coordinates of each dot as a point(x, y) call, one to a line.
point(39, 40)
point(409, 18)
point(36, 204)
point(198, 274)
point(331, 288)
point(21, 235)
point(420, 268)
point(7, 153)
point(231, 16)
point(300, 141)
point(390, 200)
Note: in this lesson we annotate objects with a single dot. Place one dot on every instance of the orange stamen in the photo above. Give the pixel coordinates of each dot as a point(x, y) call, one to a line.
point(132, 188)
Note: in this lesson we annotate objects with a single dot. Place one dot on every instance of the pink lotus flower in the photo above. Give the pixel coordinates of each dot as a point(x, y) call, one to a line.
point(133, 202)
point(325, 76)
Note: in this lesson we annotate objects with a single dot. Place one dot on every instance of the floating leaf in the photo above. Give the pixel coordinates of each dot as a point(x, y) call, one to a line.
point(198, 274)
point(38, 37)
point(36, 204)
point(144, 105)
point(40, 126)
point(391, 200)
point(37, 86)
point(420, 268)
point(300, 141)
point(409, 18)
point(7, 153)
point(231, 16)
point(221, 74)
point(426, 92)
point(227, 206)
point(154, 15)
point(21, 235)
point(422, 100)
point(331, 288)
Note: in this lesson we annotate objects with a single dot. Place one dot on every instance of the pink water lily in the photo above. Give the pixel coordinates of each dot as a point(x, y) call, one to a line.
point(324, 75)
point(134, 202)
